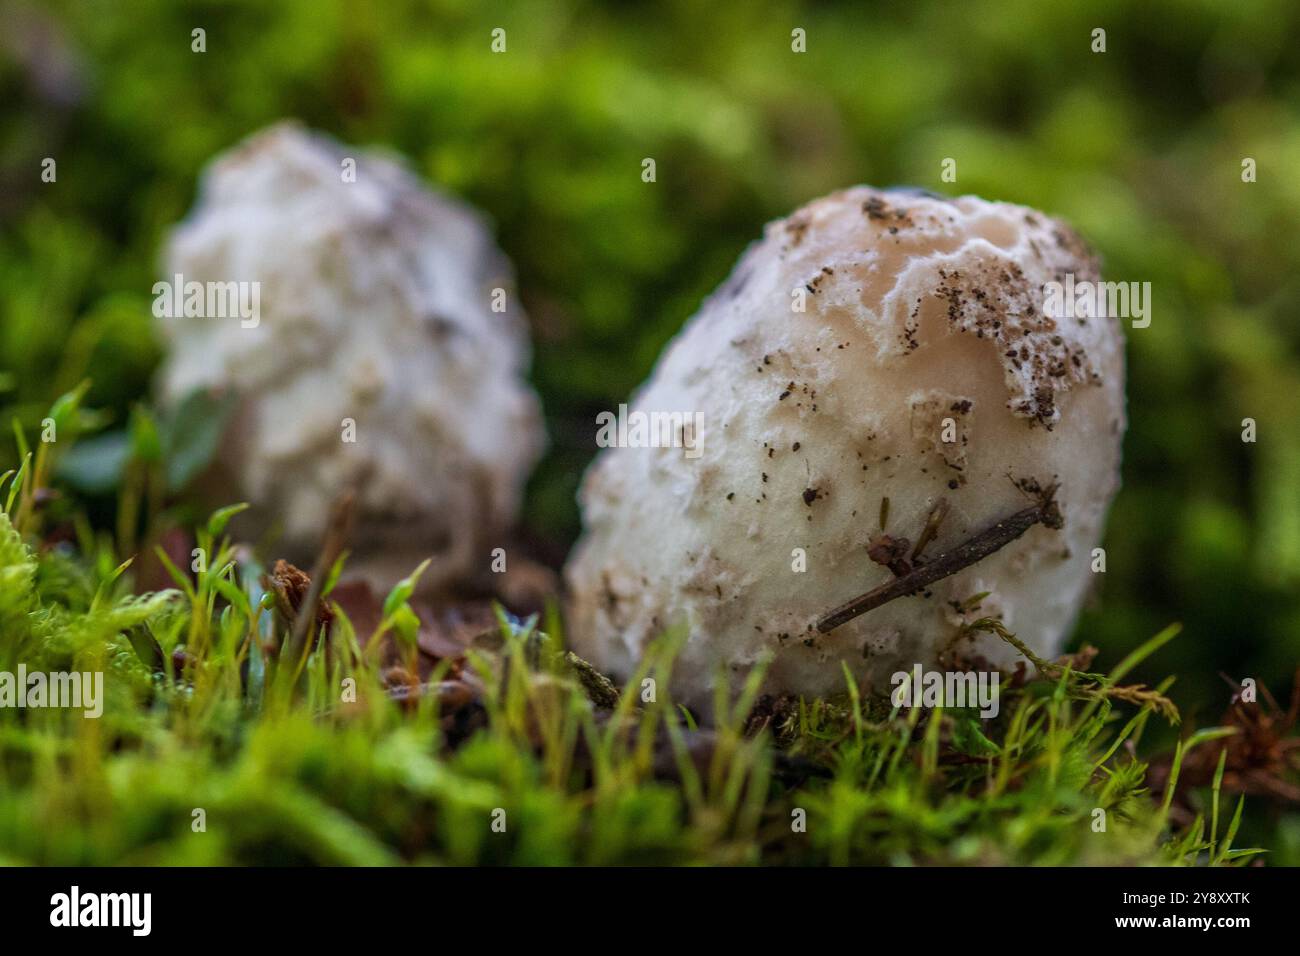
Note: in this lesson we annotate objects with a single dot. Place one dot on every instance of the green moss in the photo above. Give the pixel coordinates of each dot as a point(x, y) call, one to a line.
point(218, 755)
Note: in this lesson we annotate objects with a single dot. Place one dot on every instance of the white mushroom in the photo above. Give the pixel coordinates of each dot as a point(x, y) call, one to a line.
point(924, 371)
point(389, 351)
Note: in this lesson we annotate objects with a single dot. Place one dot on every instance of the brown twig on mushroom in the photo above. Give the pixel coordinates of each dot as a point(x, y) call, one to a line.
point(973, 549)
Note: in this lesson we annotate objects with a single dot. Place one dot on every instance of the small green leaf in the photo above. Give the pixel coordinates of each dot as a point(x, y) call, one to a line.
point(221, 517)
point(236, 596)
point(17, 485)
point(688, 717)
point(335, 572)
point(109, 580)
point(406, 624)
point(181, 580)
point(402, 591)
point(65, 408)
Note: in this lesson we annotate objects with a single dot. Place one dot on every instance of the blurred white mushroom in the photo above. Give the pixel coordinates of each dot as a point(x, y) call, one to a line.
point(922, 370)
point(388, 351)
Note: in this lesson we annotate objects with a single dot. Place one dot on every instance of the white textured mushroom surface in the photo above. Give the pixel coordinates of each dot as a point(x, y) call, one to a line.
point(376, 300)
point(922, 368)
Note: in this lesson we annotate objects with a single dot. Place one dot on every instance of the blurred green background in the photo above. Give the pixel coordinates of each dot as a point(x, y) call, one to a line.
point(1140, 147)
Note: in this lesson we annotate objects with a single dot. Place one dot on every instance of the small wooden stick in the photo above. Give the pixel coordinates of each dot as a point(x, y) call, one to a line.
point(975, 548)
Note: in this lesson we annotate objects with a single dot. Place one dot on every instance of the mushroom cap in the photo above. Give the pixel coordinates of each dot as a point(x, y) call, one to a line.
point(376, 303)
point(923, 367)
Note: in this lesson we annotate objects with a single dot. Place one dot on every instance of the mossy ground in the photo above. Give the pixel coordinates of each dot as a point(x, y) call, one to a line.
point(219, 744)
